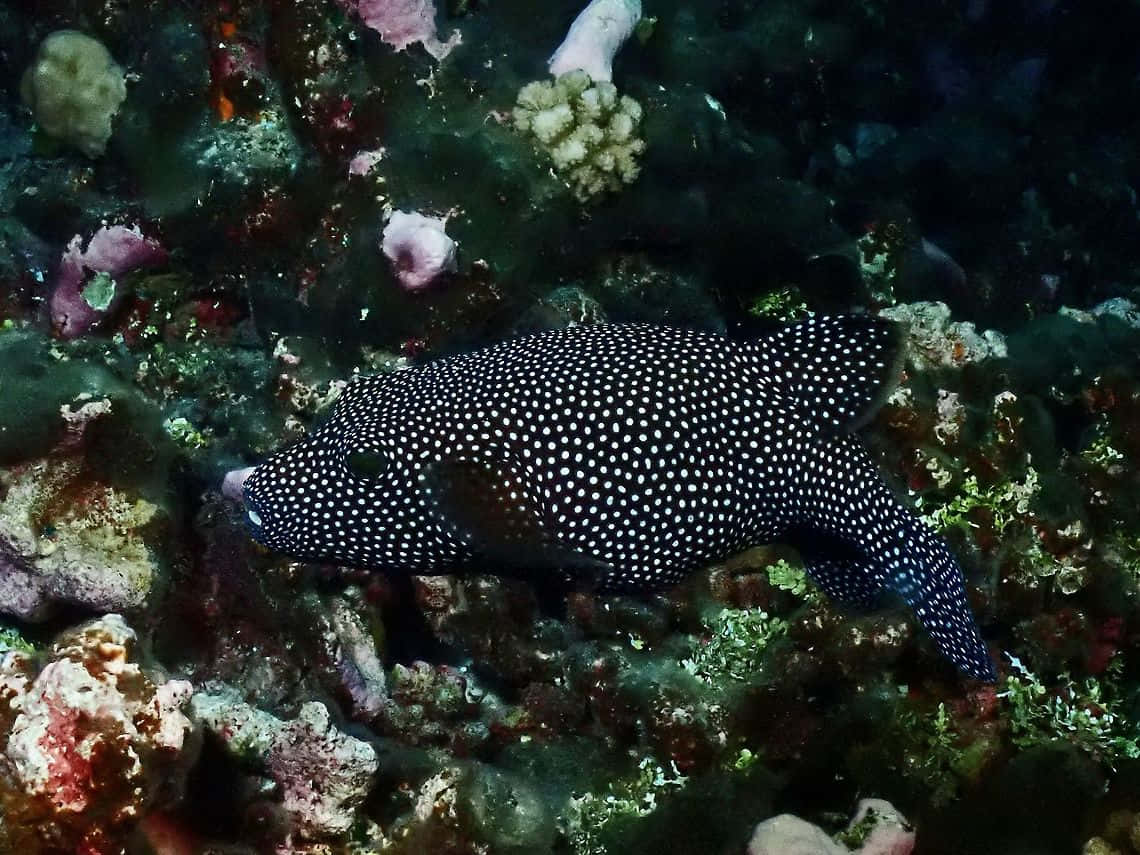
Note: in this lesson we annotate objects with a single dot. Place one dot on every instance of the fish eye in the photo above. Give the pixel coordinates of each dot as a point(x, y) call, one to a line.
point(254, 516)
point(366, 464)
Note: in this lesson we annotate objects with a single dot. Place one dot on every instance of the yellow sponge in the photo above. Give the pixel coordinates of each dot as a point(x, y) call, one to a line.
point(74, 88)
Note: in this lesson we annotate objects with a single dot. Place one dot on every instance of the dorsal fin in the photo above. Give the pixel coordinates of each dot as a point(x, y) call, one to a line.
point(837, 369)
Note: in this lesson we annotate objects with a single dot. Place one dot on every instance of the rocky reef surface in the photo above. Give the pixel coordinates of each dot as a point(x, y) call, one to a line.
point(214, 213)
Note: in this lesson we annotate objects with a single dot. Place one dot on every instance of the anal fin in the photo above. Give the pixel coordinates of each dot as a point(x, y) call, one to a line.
point(928, 577)
point(843, 573)
point(845, 580)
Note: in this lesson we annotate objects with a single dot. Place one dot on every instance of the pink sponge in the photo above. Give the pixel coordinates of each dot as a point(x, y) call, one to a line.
point(419, 249)
point(595, 36)
point(404, 22)
point(112, 251)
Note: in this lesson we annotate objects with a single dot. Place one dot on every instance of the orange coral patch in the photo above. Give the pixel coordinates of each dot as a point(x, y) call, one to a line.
point(225, 108)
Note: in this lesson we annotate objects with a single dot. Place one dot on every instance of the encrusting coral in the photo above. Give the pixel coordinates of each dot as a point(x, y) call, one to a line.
point(64, 539)
point(323, 774)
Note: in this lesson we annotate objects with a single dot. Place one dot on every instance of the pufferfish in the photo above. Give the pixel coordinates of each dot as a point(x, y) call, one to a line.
point(626, 455)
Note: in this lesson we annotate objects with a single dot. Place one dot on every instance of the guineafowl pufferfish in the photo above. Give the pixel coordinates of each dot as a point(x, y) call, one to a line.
point(628, 455)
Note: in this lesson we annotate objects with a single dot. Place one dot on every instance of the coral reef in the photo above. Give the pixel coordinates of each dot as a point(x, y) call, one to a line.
point(192, 270)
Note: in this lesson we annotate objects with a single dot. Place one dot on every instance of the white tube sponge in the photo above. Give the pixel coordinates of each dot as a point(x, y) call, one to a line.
point(595, 37)
point(419, 249)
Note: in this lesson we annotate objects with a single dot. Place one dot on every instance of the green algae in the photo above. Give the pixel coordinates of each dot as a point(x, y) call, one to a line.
point(654, 807)
point(794, 580)
point(733, 648)
point(99, 292)
point(11, 639)
point(934, 753)
point(186, 434)
point(1004, 502)
point(786, 304)
point(623, 800)
point(878, 252)
point(1090, 714)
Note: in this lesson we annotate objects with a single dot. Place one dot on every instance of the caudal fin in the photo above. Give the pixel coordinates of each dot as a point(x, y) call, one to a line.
point(931, 582)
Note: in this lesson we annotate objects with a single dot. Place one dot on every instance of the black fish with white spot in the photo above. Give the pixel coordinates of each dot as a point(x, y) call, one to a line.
point(626, 455)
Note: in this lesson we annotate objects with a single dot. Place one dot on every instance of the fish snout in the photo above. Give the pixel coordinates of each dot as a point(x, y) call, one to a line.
point(253, 521)
point(233, 484)
point(236, 487)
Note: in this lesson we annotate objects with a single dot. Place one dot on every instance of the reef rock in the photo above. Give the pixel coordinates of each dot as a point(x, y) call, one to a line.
point(323, 774)
point(876, 829)
point(66, 540)
point(88, 745)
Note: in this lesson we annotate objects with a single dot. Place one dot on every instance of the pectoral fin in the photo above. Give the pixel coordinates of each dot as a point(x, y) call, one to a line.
point(491, 506)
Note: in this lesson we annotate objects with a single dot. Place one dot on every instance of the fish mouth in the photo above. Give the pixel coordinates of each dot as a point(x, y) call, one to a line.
point(253, 523)
point(255, 528)
point(252, 516)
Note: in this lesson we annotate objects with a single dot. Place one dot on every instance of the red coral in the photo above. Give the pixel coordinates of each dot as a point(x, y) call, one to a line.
point(1104, 645)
